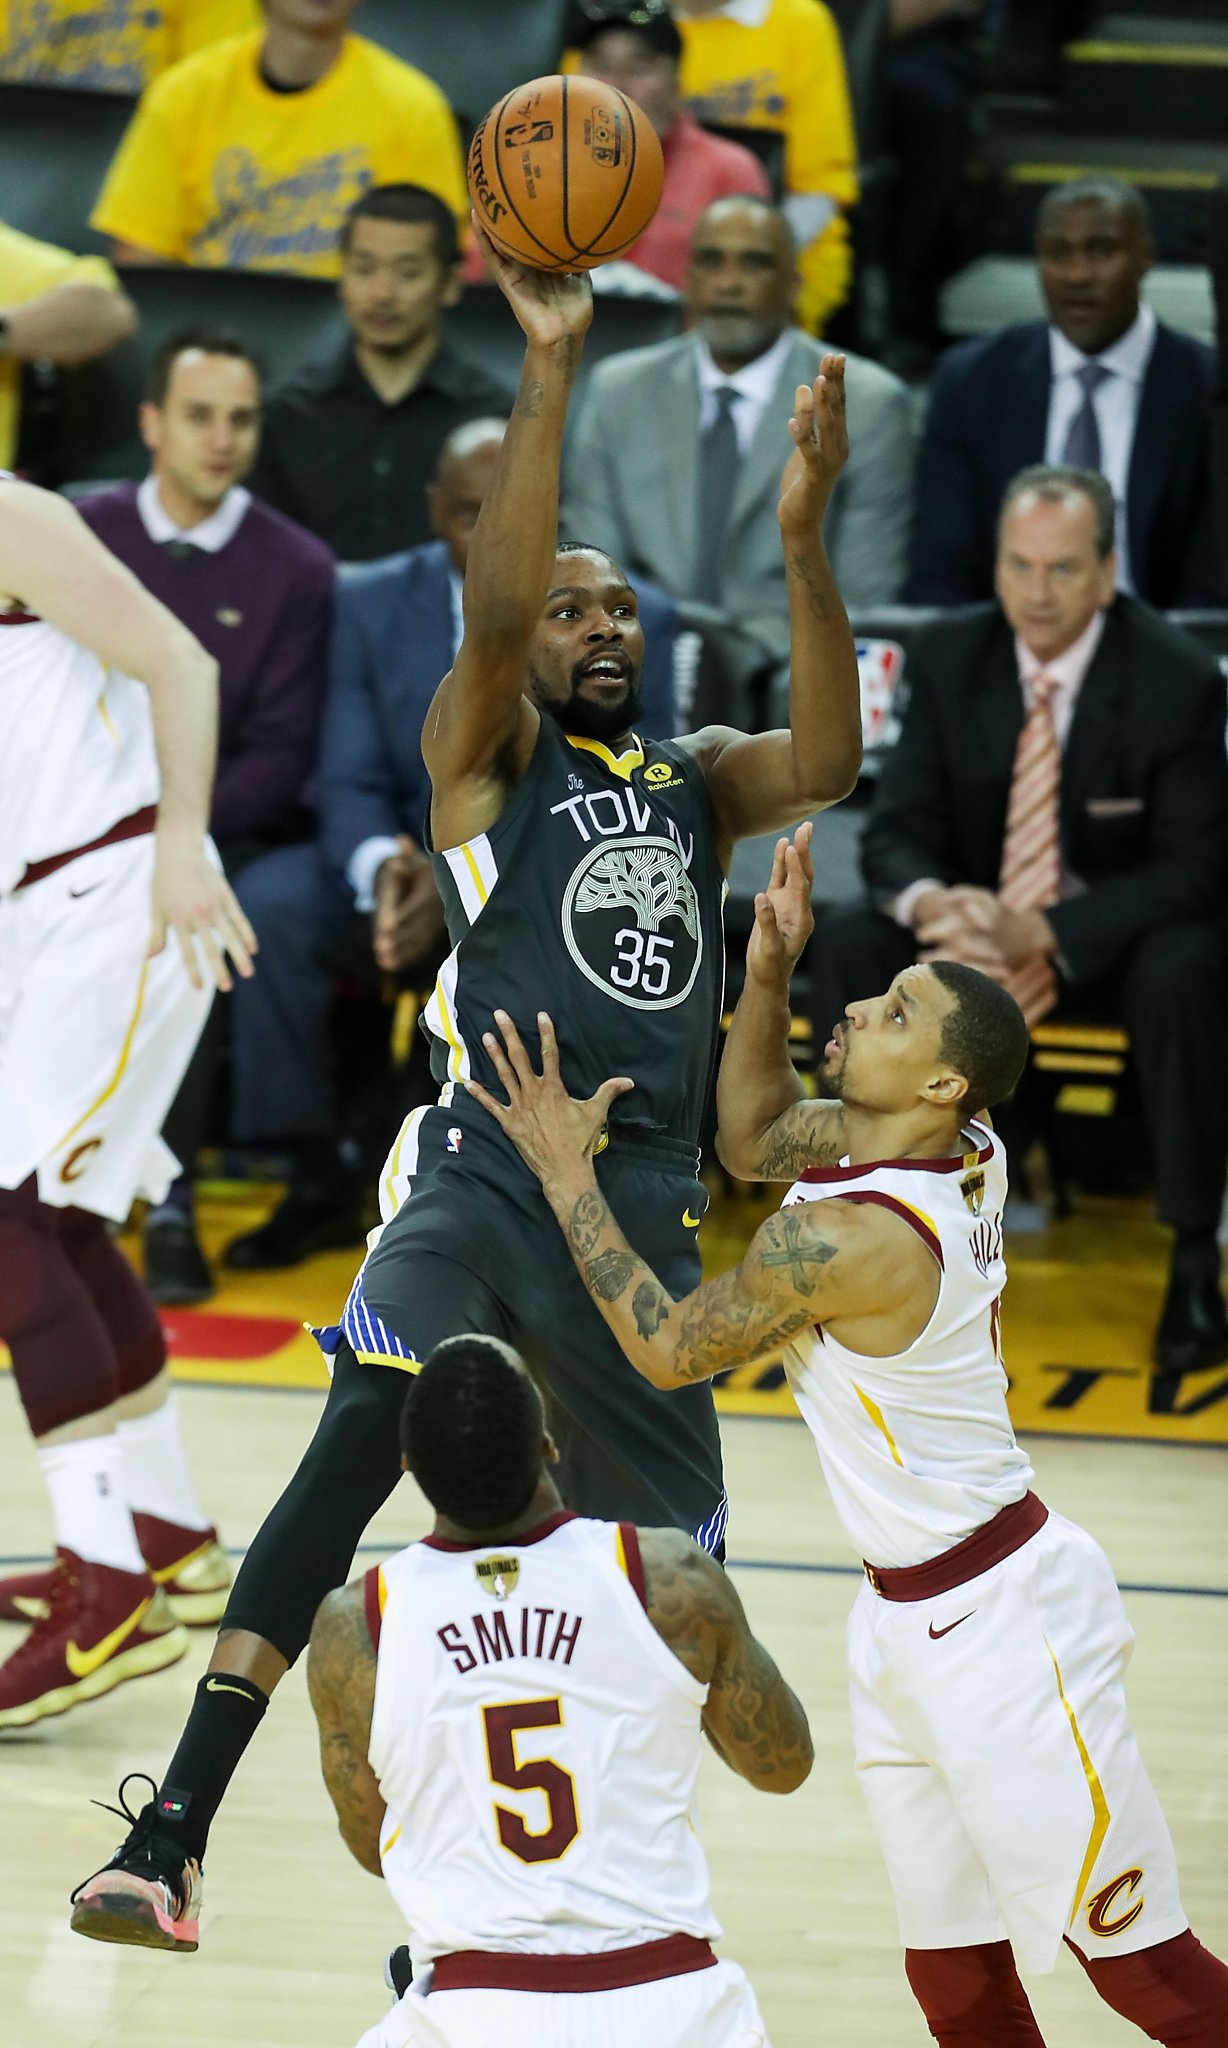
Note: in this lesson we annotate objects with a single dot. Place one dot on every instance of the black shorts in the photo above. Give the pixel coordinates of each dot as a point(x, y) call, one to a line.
point(474, 1247)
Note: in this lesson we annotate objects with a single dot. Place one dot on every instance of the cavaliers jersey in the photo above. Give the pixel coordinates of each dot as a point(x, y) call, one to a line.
point(596, 896)
point(76, 745)
point(917, 1448)
point(537, 1746)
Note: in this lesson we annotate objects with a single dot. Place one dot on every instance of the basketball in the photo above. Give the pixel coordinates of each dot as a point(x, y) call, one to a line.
point(565, 173)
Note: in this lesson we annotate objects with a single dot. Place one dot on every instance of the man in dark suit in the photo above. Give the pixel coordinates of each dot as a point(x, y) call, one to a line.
point(362, 902)
point(1055, 812)
point(1101, 385)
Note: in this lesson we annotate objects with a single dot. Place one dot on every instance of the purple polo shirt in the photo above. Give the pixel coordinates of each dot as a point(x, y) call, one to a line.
point(262, 606)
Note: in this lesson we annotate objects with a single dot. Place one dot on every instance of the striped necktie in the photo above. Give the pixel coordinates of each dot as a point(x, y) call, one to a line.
point(1031, 873)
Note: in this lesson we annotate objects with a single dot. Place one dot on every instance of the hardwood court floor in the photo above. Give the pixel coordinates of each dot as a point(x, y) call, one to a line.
point(295, 1934)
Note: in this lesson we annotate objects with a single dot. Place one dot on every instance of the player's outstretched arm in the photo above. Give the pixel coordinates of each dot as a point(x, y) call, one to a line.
point(767, 1128)
point(767, 781)
point(479, 709)
point(341, 1682)
point(753, 1719)
point(803, 1266)
point(50, 560)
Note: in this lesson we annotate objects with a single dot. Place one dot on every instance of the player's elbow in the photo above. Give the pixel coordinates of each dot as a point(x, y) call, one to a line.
point(739, 1153)
point(834, 778)
point(793, 1761)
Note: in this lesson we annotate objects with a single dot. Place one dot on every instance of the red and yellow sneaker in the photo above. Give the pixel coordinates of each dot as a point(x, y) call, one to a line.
point(26, 1596)
point(190, 1566)
point(102, 1626)
point(148, 1895)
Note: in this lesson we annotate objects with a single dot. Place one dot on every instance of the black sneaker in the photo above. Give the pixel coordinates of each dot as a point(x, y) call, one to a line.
point(304, 1221)
point(176, 1270)
point(148, 1895)
point(399, 1970)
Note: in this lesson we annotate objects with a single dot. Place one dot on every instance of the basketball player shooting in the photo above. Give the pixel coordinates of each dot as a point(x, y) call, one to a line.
point(108, 718)
point(989, 1643)
point(579, 1689)
point(582, 868)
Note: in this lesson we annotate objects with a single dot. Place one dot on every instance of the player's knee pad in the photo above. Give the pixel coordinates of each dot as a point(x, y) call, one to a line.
point(121, 1299)
point(1177, 1992)
point(63, 1362)
point(972, 1997)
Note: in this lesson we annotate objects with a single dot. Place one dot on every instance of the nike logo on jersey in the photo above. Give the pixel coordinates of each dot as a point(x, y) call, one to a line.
point(935, 1633)
point(77, 894)
point(83, 1662)
point(691, 1222)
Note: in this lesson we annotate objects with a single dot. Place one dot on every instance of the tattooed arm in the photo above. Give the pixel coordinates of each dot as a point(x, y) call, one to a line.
point(767, 1129)
point(753, 1720)
point(341, 1682)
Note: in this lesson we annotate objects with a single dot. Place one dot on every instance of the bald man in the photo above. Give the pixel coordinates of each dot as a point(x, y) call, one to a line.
point(362, 902)
point(677, 451)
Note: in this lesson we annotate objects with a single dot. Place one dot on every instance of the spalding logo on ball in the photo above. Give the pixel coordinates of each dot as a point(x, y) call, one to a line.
point(565, 173)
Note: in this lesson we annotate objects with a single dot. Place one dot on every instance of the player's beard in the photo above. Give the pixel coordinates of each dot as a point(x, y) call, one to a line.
point(590, 719)
point(829, 1079)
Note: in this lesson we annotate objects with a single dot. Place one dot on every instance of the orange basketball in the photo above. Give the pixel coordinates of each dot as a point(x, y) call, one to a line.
point(565, 173)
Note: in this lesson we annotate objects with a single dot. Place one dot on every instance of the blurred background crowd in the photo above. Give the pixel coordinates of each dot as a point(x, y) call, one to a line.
point(243, 325)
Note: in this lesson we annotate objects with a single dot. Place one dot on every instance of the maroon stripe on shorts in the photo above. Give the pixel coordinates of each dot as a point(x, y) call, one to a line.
point(133, 827)
point(1008, 1531)
point(616, 1970)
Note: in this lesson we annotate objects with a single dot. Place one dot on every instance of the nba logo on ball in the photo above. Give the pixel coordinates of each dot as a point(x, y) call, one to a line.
point(454, 1138)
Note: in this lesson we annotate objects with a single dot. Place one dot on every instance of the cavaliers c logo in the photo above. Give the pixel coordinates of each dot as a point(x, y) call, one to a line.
point(1107, 1897)
point(74, 1165)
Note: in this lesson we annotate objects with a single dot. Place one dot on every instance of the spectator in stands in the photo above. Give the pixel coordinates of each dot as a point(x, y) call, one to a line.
point(779, 65)
point(54, 307)
point(257, 592)
point(350, 445)
point(676, 458)
point(117, 48)
point(249, 155)
point(1103, 385)
point(362, 902)
point(1055, 812)
point(931, 76)
point(638, 49)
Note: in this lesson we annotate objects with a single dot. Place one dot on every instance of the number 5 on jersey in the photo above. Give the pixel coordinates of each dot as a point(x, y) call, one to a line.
point(541, 1774)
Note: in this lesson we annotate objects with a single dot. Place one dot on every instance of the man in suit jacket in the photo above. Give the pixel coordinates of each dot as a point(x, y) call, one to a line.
point(1139, 810)
point(361, 901)
point(675, 463)
point(1102, 385)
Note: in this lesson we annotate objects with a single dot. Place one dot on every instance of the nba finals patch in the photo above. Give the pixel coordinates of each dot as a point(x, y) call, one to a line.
point(497, 1575)
point(973, 1187)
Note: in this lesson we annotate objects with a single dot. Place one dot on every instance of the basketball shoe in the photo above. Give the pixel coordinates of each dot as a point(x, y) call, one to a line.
point(189, 1564)
point(101, 1627)
point(148, 1895)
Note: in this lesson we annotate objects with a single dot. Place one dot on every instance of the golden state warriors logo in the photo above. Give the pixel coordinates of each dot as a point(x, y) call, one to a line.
point(497, 1575)
point(631, 923)
point(1116, 1894)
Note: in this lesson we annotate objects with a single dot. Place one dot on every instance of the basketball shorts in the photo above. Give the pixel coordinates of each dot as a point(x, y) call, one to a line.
point(713, 2008)
point(94, 1038)
point(469, 1244)
point(996, 1754)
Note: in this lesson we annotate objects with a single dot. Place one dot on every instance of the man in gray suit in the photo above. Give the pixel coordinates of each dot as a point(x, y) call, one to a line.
point(675, 461)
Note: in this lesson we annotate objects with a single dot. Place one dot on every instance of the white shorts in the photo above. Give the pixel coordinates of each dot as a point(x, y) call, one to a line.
point(713, 2008)
point(94, 1038)
point(996, 1755)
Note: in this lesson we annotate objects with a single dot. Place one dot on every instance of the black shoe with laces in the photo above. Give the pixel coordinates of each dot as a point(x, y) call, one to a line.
point(148, 1895)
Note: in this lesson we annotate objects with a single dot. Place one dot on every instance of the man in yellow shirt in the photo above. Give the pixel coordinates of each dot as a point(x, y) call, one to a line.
point(249, 155)
point(779, 64)
point(54, 307)
point(111, 45)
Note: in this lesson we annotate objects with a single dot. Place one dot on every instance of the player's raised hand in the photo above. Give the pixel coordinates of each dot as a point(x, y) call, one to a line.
point(820, 449)
point(784, 919)
point(552, 1131)
point(552, 306)
point(193, 899)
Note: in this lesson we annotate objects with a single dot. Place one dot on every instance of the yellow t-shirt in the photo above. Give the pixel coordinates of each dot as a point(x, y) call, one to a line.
point(219, 171)
point(27, 270)
point(787, 73)
point(111, 45)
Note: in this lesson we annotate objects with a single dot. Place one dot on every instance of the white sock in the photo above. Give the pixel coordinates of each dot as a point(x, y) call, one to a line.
point(156, 1476)
point(85, 1482)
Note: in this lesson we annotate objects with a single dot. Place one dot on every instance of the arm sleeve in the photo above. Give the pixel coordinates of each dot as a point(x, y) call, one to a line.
point(275, 750)
point(906, 838)
point(870, 545)
point(142, 197)
point(358, 793)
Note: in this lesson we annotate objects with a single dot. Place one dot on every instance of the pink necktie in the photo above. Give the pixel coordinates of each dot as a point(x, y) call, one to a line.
point(1031, 874)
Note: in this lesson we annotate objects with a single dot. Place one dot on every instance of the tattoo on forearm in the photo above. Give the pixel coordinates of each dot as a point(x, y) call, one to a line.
point(610, 1274)
point(586, 1223)
point(797, 1142)
point(794, 1243)
point(722, 1325)
point(820, 605)
point(341, 1679)
point(530, 401)
point(650, 1307)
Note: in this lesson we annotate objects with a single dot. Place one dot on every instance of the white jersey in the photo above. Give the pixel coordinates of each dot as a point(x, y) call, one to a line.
point(537, 1745)
point(917, 1448)
point(76, 745)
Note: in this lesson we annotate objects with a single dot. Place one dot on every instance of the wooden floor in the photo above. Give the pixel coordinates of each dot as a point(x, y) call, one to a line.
point(294, 1934)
